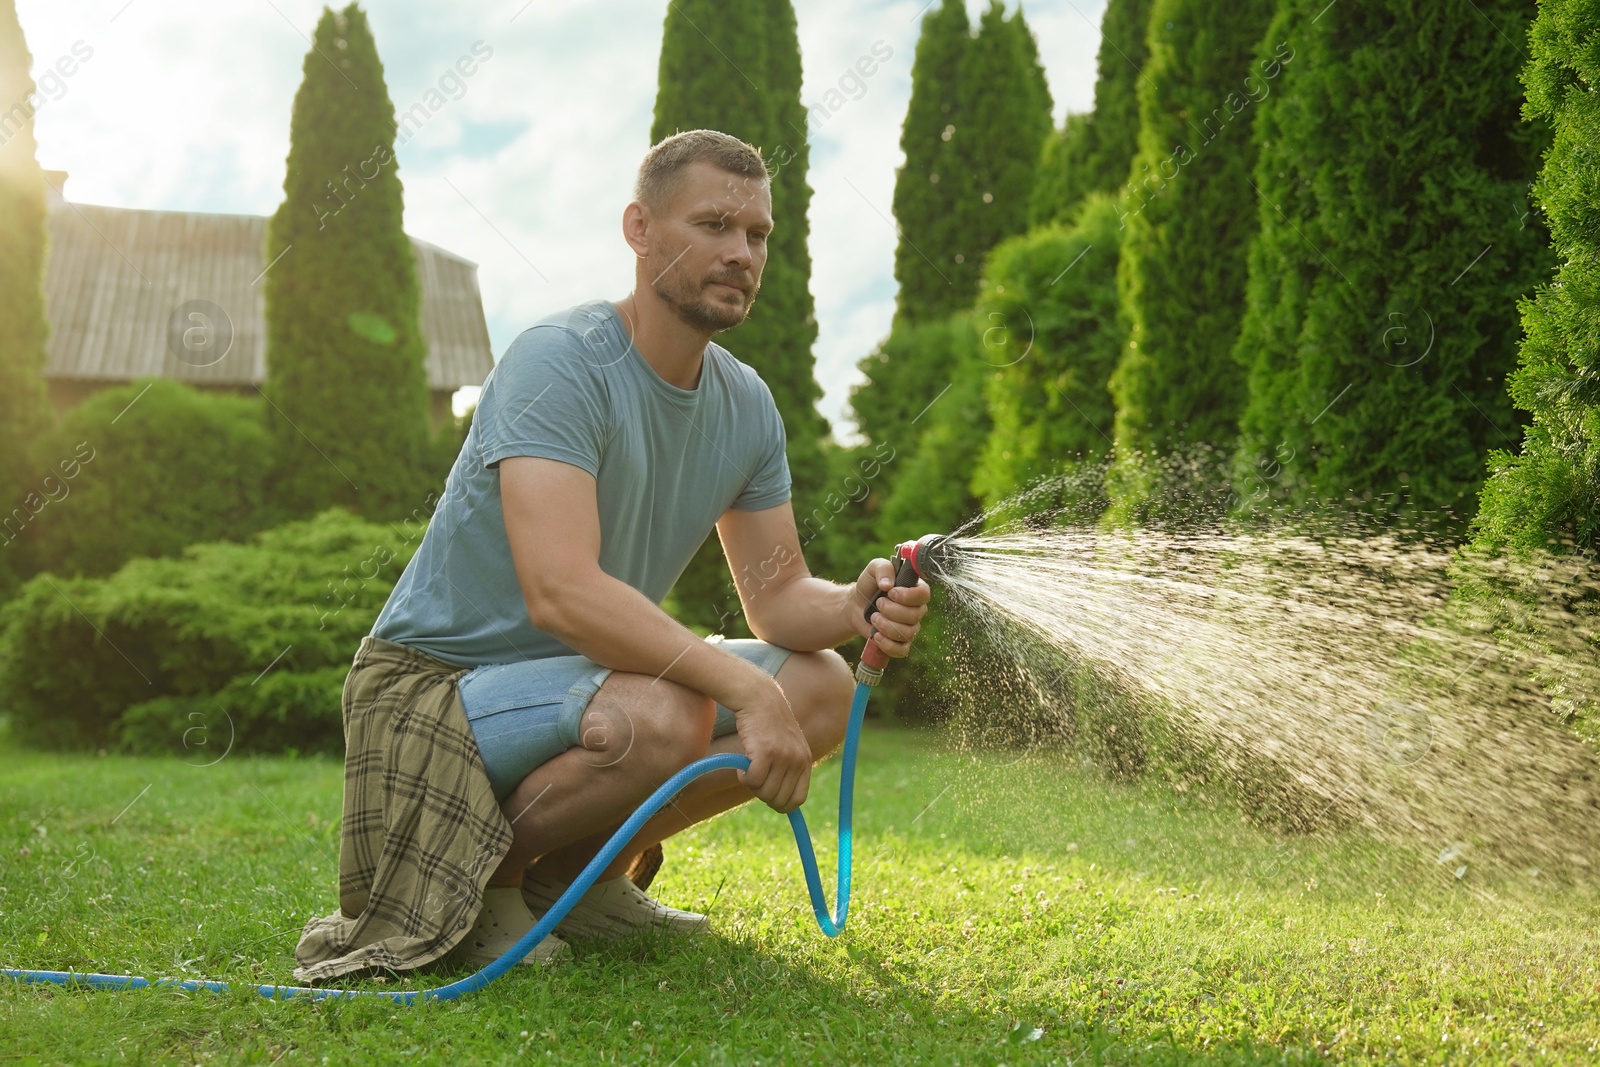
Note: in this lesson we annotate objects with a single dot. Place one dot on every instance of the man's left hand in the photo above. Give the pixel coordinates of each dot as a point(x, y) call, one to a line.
point(899, 612)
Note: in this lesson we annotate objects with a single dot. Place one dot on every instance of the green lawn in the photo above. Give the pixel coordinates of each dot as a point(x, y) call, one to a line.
point(1006, 911)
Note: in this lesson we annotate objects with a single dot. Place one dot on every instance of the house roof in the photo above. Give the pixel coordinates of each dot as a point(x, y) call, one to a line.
point(116, 279)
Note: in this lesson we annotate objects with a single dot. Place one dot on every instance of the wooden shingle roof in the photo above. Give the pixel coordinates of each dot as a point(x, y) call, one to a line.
point(114, 277)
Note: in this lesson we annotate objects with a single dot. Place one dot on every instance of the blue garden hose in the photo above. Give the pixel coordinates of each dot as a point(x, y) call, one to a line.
point(830, 925)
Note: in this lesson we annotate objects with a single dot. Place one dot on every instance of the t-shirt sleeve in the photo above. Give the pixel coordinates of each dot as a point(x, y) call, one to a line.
point(768, 484)
point(544, 399)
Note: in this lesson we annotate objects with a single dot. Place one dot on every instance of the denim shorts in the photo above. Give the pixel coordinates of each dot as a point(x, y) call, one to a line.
point(523, 714)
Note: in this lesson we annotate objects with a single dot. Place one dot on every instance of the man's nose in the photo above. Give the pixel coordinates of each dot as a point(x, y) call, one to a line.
point(738, 250)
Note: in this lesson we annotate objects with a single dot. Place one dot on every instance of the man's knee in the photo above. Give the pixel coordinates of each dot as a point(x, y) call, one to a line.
point(820, 686)
point(647, 723)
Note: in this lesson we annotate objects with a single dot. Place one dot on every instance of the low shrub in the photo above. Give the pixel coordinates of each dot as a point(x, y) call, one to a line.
point(145, 470)
point(231, 644)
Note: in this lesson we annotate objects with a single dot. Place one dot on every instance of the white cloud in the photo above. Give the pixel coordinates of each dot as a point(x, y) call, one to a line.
point(185, 105)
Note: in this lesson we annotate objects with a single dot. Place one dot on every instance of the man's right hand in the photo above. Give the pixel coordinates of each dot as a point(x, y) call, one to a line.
point(780, 757)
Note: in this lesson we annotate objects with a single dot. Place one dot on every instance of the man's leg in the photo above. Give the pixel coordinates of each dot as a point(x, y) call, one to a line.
point(636, 734)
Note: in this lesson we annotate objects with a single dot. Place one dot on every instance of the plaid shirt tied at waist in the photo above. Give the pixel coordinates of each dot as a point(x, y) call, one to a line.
point(421, 831)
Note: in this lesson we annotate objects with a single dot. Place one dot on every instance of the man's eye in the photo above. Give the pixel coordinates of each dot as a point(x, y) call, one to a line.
point(715, 224)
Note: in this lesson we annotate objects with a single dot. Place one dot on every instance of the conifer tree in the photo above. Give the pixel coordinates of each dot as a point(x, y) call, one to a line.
point(1049, 312)
point(1394, 238)
point(929, 181)
point(345, 383)
point(999, 114)
point(931, 492)
point(1091, 151)
point(737, 69)
point(925, 394)
point(890, 410)
point(1062, 181)
point(24, 410)
point(1188, 230)
point(1005, 116)
point(1037, 85)
point(1548, 495)
point(786, 283)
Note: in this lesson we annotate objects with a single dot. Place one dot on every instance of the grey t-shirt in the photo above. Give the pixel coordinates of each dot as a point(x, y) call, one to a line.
point(667, 462)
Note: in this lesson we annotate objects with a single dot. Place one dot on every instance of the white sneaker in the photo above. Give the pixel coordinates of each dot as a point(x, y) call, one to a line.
point(610, 909)
point(501, 924)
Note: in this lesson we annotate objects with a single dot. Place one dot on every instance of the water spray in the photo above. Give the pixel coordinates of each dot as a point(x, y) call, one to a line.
point(931, 557)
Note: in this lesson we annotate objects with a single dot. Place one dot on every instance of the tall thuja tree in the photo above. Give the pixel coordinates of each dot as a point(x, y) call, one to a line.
point(1063, 178)
point(929, 488)
point(1049, 313)
point(929, 491)
point(1005, 117)
point(1091, 151)
point(1038, 89)
point(986, 158)
point(345, 377)
point(1549, 494)
point(1395, 238)
point(907, 369)
point(1189, 221)
point(737, 69)
point(24, 410)
point(789, 310)
point(928, 185)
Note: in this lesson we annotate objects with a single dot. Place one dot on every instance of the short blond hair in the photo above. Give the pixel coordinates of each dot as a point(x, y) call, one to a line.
point(661, 171)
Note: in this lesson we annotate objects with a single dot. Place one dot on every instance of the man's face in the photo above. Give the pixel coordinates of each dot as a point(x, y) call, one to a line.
point(709, 245)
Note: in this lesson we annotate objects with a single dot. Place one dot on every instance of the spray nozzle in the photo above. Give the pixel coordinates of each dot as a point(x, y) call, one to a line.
point(930, 557)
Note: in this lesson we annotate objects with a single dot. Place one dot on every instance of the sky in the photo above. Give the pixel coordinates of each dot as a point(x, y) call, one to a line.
point(526, 167)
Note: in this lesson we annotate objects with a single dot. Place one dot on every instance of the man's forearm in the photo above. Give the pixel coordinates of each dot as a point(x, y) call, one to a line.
point(807, 614)
point(619, 627)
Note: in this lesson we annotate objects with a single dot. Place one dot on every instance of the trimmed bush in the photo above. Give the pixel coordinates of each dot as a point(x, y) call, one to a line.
point(147, 469)
point(244, 642)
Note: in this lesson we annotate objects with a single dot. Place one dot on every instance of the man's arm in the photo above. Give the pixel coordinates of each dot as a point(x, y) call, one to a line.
point(553, 526)
point(785, 605)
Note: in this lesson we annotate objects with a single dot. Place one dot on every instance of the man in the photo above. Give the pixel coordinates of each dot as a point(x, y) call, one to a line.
point(607, 443)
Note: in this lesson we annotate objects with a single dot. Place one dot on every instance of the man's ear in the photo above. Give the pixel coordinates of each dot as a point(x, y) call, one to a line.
point(636, 221)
